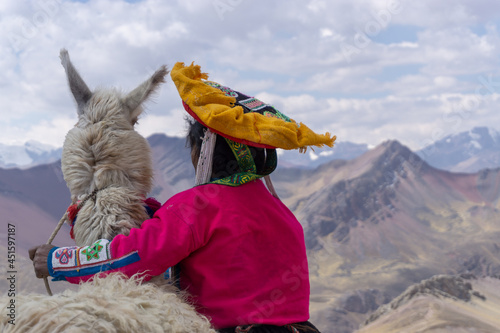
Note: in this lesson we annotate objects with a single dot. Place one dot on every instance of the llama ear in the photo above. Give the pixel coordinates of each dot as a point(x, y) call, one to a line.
point(137, 96)
point(80, 91)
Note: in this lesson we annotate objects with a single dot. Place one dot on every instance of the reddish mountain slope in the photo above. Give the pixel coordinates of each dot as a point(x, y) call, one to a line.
point(379, 223)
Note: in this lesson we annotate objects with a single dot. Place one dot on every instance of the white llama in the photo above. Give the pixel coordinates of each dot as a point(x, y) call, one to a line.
point(107, 166)
point(103, 154)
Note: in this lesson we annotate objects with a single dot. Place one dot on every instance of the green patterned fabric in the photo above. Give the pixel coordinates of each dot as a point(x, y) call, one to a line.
point(243, 156)
point(247, 165)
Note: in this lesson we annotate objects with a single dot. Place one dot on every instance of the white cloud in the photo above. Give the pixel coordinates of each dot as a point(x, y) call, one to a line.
point(409, 45)
point(173, 124)
point(47, 131)
point(415, 122)
point(286, 52)
point(313, 156)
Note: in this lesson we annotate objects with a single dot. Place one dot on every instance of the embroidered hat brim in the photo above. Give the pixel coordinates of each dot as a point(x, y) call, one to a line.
point(244, 121)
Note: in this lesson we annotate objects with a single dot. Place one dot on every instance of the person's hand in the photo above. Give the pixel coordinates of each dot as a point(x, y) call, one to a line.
point(39, 256)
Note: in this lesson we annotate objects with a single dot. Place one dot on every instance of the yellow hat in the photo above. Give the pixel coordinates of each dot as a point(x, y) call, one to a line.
point(239, 117)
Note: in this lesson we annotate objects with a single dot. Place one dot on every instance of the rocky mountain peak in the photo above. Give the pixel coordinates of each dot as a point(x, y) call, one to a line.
point(440, 286)
point(366, 196)
point(393, 155)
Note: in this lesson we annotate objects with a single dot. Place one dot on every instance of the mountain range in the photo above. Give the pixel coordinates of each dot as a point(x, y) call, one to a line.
point(30, 154)
point(381, 222)
point(343, 150)
point(469, 151)
point(375, 225)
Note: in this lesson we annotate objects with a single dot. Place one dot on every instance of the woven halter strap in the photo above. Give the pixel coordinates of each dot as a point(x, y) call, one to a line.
point(74, 208)
point(92, 196)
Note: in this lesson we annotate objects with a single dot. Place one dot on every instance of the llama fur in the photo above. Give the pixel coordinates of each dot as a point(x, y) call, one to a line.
point(114, 304)
point(103, 152)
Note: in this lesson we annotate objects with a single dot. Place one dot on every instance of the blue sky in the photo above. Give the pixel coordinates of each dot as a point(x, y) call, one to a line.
point(365, 70)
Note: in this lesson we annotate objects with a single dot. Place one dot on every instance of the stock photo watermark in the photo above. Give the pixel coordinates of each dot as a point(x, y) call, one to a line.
point(363, 37)
point(222, 7)
point(292, 279)
point(29, 27)
point(11, 273)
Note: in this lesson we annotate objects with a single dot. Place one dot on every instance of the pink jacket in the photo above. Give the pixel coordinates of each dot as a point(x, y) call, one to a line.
point(241, 253)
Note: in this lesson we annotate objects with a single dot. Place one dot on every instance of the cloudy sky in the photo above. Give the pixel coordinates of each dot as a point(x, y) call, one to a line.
point(365, 70)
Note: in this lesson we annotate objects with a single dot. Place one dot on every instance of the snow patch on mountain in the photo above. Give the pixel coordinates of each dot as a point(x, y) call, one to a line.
point(494, 134)
point(468, 151)
point(476, 144)
point(30, 154)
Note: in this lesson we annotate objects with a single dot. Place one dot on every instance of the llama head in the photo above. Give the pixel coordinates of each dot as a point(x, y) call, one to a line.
point(109, 104)
point(103, 150)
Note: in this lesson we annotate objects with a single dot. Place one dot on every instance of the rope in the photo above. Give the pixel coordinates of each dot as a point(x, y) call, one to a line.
point(58, 227)
point(270, 186)
point(51, 238)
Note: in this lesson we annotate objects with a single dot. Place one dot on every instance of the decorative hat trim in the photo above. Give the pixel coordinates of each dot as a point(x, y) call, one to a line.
point(243, 141)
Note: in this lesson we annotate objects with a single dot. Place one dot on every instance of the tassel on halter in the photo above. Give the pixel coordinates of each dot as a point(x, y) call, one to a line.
point(73, 210)
point(72, 213)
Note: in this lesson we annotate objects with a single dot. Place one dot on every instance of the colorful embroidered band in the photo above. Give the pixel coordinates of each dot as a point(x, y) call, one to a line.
point(72, 261)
